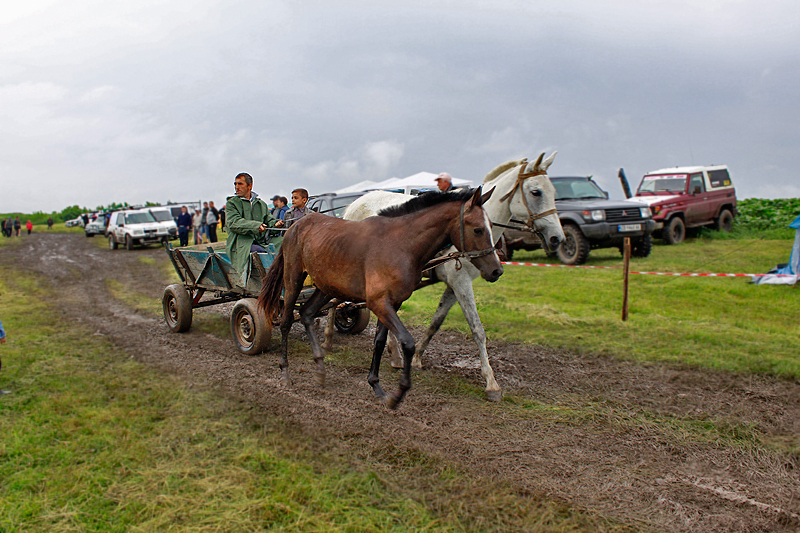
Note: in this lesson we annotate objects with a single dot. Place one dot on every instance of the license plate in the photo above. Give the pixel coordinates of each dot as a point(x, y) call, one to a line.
point(629, 227)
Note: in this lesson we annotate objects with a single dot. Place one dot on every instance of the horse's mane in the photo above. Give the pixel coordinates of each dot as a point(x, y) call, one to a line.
point(426, 200)
point(499, 169)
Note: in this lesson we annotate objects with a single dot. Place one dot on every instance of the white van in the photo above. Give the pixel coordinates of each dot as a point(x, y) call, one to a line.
point(165, 218)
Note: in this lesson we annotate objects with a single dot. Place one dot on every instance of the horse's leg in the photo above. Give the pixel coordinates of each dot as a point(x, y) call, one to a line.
point(327, 344)
point(307, 314)
point(445, 304)
point(388, 316)
point(293, 284)
point(377, 353)
point(466, 299)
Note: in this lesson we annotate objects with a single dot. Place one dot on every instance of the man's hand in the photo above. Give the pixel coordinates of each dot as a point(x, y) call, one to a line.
point(279, 224)
point(262, 228)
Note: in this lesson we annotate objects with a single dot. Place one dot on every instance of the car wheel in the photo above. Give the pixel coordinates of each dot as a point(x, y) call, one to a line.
point(128, 242)
point(725, 221)
point(642, 247)
point(112, 244)
point(177, 305)
point(574, 250)
point(250, 329)
point(675, 231)
point(351, 319)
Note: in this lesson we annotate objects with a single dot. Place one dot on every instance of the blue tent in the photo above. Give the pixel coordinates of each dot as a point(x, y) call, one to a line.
point(785, 274)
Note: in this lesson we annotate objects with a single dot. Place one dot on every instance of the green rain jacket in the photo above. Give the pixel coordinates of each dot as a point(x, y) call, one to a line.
point(242, 219)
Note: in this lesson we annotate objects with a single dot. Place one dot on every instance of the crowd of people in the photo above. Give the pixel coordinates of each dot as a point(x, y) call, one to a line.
point(202, 223)
point(11, 227)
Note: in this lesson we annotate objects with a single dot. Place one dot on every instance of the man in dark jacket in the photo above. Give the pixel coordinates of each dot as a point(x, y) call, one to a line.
point(247, 218)
point(184, 224)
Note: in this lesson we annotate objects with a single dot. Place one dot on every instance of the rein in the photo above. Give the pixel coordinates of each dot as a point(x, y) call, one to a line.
point(457, 256)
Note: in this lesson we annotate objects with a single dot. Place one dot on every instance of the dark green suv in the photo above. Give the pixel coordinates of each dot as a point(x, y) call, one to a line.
point(590, 220)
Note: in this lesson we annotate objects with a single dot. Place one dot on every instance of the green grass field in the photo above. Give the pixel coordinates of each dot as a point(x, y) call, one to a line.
point(719, 323)
point(153, 454)
point(86, 448)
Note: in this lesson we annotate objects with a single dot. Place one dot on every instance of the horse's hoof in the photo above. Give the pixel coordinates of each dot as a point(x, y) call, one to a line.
point(494, 395)
point(392, 401)
point(319, 378)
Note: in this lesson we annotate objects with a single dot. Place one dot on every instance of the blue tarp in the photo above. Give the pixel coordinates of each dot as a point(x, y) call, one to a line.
point(785, 274)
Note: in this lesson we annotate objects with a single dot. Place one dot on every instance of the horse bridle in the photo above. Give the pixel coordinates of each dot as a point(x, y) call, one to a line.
point(532, 217)
point(457, 256)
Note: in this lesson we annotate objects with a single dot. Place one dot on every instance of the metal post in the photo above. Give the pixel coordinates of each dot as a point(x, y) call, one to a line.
point(625, 271)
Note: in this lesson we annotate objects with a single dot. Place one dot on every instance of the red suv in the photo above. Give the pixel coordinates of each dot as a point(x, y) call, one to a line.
point(688, 197)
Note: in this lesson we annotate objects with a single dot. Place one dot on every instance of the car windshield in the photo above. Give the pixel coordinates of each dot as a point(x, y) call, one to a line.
point(664, 183)
point(139, 218)
point(162, 216)
point(577, 188)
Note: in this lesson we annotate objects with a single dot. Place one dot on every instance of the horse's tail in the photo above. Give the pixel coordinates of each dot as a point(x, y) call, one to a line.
point(272, 287)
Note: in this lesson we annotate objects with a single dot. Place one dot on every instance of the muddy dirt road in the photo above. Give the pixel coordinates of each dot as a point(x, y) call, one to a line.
point(618, 438)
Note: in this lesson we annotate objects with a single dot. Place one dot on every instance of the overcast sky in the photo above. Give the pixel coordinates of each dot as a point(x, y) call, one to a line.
point(139, 101)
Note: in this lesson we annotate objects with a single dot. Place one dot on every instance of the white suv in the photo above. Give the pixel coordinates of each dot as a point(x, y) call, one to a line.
point(135, 227)
point(164, 217)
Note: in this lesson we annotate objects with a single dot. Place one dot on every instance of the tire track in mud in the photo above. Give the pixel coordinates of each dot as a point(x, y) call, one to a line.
point(596, 433)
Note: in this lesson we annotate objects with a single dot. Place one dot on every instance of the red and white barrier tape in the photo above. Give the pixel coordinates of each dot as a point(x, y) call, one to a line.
point(699, 274)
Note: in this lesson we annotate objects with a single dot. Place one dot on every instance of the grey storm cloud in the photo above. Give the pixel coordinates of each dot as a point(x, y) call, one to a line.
point(168, 101)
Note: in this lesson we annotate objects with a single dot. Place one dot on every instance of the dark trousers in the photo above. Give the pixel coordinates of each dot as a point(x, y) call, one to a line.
point(212, 233)
point(184, 237)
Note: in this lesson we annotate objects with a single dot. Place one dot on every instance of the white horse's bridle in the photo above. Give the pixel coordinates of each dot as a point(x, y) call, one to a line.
point(521, 177)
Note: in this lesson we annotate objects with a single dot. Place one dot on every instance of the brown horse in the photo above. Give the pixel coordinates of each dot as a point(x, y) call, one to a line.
point(379, 261)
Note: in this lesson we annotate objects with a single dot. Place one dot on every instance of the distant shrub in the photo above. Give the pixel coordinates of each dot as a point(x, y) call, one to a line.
point(761, 214)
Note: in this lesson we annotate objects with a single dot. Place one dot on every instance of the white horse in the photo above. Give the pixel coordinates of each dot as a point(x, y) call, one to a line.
point(522, 190)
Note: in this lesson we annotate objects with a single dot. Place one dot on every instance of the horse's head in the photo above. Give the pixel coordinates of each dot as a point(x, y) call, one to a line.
point(475, 237)
point(533, 199)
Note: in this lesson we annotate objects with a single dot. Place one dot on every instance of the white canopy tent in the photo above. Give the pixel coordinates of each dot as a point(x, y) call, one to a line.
point(418, 181)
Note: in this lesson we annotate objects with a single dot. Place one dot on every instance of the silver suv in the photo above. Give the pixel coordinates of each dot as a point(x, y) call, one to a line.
point(135, 227)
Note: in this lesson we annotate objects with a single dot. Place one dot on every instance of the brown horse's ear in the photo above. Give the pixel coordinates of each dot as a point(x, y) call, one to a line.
point(538, 162)
point(476, 197)
point(486, 196)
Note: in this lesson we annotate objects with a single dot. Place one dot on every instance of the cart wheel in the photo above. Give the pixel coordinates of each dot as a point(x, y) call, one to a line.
point(352, 320)
point(177, 306)
point(250, 329)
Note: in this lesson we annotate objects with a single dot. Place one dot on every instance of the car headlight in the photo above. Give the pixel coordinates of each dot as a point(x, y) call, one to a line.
point(598, 215)
point(645, 211)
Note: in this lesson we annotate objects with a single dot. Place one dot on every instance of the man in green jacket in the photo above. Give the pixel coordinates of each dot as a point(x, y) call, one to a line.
point(247, 219)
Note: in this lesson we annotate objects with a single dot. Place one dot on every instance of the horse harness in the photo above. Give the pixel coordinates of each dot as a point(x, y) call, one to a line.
point(457, 256)
point(529, 224)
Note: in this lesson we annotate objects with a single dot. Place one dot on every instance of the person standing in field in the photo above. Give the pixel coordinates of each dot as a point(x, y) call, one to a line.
point(184, 224)
point(29, 226)
point(17, 226)
point(204, 223)
point(197, 224)
point(50, 223)
point(2, 341)
point(211, 219)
